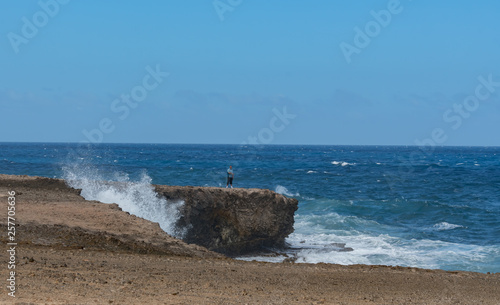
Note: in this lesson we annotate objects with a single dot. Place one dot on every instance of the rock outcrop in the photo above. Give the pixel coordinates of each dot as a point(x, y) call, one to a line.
point(51, 214)
point(233, 221)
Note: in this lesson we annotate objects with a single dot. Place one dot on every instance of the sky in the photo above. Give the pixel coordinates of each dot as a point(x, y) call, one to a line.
point(334, 72)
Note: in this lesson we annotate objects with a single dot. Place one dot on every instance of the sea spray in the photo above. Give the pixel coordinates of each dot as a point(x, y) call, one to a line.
point(136, 197)
point(284, 191)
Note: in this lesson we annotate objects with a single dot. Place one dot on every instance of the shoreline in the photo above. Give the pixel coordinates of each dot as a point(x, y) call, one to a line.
point(70, 250)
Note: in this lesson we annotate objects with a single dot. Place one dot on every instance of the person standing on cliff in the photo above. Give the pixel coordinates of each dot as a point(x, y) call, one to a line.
point(230, 176)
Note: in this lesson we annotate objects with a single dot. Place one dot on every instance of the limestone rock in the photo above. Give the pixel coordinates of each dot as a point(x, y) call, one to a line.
point(233, 221)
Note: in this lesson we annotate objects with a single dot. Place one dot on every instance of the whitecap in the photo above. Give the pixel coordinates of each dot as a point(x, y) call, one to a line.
point(342, 163)
point(443, 226)
point(309, 198)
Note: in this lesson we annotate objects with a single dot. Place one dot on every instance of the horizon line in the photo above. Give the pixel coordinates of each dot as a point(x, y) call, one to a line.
point(247, 144)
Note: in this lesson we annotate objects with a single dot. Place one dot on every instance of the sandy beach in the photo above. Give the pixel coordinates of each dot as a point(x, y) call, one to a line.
point(73, 251)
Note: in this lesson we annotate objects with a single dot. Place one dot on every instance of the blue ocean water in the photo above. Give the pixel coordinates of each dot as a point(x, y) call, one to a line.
point(432, 207)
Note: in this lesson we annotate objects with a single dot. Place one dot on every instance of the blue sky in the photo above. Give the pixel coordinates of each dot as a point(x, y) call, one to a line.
point(373, 72)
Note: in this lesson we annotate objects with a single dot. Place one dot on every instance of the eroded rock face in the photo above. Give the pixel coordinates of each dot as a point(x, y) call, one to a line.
point(233, 221)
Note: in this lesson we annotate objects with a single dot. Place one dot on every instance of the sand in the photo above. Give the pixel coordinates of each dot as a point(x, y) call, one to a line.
point(73, 251)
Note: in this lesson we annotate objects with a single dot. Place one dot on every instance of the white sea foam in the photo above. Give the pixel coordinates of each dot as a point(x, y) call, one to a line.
point(342, 163)
point(136, 197)
point(317, 238)
point(443, 226)
point(388, 250)
point(311, 172)
point(284, 191)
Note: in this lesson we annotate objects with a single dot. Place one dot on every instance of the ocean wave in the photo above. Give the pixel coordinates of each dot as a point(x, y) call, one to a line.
point(347, 240)
point(384, 249)
point(443, 226)
point(342, 163)
point(388, 250)
point(311, 172)
point(284, 191)
point(333, 222)
point(136, 197)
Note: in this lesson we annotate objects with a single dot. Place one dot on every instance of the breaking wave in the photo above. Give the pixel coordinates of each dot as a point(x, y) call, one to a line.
point(136, 197)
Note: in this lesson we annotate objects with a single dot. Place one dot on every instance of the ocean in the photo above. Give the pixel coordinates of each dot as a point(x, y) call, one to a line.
point(425, 207)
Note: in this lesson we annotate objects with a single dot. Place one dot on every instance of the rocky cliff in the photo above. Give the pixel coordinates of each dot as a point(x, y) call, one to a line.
point(233, 221)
